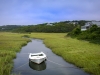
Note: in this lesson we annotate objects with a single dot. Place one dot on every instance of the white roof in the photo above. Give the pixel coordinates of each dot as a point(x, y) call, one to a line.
point(97, 23)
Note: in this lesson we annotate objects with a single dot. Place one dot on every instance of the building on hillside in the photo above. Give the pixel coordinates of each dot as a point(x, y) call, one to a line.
point(73, 23)
point(89, 24)
point(97, 23)
point(50, 24)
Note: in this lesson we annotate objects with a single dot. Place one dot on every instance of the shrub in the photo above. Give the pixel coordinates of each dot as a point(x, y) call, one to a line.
point(75, 32)
point(27, 36)
point(93, 28)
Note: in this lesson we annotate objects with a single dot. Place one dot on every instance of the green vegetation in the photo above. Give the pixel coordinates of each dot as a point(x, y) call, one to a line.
point(91, 35)
point(10, 43)
point(81, 53)
point(56, 27)
point(9, 27)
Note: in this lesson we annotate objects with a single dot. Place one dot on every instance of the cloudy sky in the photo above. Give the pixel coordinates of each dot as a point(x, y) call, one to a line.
point(26, 12)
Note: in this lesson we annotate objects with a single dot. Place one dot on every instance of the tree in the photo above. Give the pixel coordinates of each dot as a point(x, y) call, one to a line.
point(93, 28)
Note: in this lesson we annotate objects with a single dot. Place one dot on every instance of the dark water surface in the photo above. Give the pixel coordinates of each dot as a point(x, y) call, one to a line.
point(55, 65)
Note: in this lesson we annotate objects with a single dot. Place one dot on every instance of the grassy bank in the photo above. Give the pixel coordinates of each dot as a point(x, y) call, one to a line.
point(81, 53)
point(10, 43)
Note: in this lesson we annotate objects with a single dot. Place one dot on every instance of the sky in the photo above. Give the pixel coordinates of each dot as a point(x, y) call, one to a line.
point(31, 12)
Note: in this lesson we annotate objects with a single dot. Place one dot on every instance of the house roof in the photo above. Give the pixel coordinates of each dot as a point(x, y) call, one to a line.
point(88, 24)
point(97, 23)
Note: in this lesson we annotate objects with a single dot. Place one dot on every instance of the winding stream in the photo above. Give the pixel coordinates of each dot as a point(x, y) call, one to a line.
point(54, 65)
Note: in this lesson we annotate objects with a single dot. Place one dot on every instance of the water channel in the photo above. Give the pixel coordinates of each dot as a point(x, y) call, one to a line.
point(55, 65)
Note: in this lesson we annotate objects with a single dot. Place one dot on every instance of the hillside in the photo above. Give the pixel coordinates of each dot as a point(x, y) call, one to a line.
point(58, 27)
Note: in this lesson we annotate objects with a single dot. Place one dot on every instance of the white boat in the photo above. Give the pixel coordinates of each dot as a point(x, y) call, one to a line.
point(37, 57)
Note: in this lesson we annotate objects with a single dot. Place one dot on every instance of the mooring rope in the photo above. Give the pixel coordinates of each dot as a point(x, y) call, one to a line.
point(55, 62)
point(60, 64)
point(21, 66)
point(63, 66)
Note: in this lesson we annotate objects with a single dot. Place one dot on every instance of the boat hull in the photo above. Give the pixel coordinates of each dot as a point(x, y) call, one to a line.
point(38, 61)
point(37, 67)
point(37, 57)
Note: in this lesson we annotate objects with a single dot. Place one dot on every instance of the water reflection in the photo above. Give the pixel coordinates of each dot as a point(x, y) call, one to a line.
point(22, 66)
point(38, 67)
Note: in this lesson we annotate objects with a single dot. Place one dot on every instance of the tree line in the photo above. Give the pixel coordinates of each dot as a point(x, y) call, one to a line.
point(57, 27)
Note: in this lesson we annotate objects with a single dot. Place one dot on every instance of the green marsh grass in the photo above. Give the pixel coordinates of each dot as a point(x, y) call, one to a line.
point(81, 53)
point(10, 43)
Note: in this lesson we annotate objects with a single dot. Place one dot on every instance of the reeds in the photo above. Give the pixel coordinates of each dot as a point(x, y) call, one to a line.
point(10, 43)
point(81, 53)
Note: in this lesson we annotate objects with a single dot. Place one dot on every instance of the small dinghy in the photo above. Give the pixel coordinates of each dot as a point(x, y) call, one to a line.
point(37, 57)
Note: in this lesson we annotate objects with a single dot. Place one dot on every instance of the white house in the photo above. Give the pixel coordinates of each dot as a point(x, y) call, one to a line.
point(97, 23)
point(73, 23)
point(49, 24)
point(89, 24)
